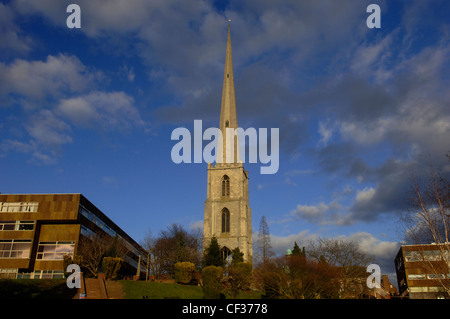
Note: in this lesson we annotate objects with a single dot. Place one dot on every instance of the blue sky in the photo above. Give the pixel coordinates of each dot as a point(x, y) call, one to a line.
point(91, 110)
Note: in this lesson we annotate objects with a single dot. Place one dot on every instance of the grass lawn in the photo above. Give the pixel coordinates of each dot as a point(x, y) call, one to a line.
point(57, 289)
point(158, 290)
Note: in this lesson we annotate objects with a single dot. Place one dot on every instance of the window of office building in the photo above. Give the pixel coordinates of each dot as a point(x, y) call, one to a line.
point(18, 207)
point(51, 250)
point(97, 221)
point(17, 225)
point(15, 248)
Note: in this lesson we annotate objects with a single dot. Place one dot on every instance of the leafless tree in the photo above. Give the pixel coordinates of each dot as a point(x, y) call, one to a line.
point(428, 221)
point(297, 277)
point(153, 261)
point(175, 244)
point(92, 249)
point(351, 261)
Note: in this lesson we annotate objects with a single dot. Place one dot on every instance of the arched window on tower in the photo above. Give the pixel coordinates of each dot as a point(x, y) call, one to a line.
point(225, 220)
point(225, 186)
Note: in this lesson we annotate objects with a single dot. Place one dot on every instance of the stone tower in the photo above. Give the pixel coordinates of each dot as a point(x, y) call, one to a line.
point(227, 211)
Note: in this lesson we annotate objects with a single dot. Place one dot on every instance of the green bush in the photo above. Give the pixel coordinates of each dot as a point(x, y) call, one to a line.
point(111, 267)
point(183, 272)
point(212, 286)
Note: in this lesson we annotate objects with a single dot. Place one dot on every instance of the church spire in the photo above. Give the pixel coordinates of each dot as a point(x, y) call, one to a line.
point(228, 116)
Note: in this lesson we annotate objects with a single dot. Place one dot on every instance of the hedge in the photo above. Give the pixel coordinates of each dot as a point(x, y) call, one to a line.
point(212, 286)
point(111, 267)
point(183, 272)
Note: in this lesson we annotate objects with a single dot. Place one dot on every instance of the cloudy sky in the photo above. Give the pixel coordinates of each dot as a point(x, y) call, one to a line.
point(359, 110)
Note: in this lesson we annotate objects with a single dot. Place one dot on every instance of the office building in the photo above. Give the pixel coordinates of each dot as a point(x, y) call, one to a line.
point(38, 230)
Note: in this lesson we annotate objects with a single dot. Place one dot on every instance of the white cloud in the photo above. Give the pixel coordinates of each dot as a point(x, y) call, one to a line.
point(366, 133)
point(364, 196)
point(111, 110)
point(321, 213)
point(48, 130)
point(39, 79)
point(281, 243)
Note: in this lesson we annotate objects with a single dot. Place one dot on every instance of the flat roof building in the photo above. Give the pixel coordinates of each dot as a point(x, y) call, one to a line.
point(423, 271)
point(37, 230)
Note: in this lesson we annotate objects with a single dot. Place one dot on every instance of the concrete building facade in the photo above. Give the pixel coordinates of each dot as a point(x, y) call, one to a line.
point(423, 271)
point(38, 230)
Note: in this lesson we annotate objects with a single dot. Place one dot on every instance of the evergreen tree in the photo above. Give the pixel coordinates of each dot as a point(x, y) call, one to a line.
point(213, 256)
point(297, 251)
point(237, 256)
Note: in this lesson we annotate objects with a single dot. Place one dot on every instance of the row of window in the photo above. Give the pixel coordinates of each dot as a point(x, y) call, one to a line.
point(427, 276)
point(97, 221)
point(426, 289)
point(42, 274)
point(20, 248)
point(18, 207)
point(427, 255)
point(13, 273)
point(102, 225)
point(55, 249)
point(17, 225)
point(15, 248)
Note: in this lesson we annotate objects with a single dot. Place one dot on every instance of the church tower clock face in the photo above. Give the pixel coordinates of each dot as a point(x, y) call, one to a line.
point(227, 211)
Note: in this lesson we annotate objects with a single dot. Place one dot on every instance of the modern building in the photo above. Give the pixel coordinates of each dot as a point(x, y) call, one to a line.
point(423, 271)
point(227, 211)
point(38, 230)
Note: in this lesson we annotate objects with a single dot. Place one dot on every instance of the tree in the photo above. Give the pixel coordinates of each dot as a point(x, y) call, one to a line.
point(212, 255)
point(111, 266)
point(296, 251)
point(177, 245)
point(237, 256)
point(297, 277)
point(212, 282)
point(348, 258)
point(153, 261)
point(239, 277)
point(428, 217)
point(428, 221)
point(117, 248)
point(264, 249)
point(93, 249)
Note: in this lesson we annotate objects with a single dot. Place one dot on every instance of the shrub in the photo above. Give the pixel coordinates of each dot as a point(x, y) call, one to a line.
point(183, 272)
point(212, 286)
point(111, 267)
point(239, 277)
point(77, 259)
